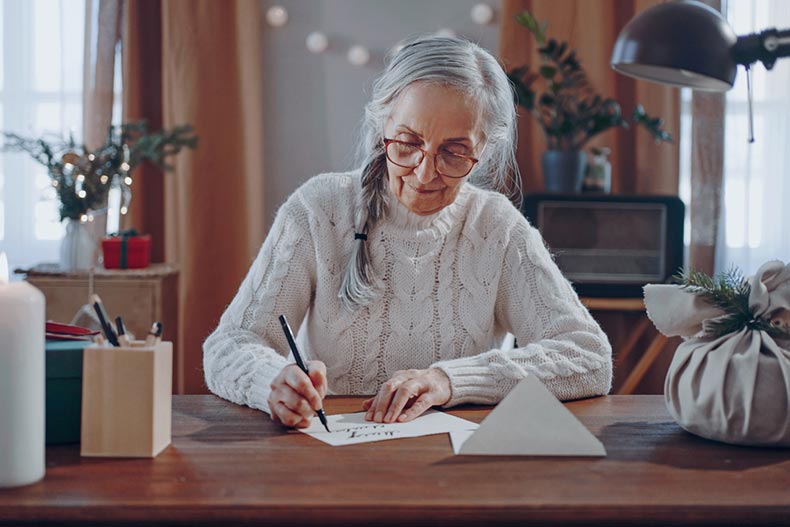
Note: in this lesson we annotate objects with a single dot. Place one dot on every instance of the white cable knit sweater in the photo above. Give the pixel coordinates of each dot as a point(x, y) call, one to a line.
point(452, 284)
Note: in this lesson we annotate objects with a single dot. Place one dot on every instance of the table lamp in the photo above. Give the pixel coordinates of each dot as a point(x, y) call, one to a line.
point(689, 44)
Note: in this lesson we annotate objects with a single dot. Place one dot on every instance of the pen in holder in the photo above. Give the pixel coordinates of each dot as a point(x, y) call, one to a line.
point(126, 399)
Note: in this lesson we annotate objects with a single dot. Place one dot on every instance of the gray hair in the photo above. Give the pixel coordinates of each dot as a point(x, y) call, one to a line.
point(455, 63)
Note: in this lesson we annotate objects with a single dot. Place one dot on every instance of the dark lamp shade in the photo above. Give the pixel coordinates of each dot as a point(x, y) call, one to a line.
point(683, 43)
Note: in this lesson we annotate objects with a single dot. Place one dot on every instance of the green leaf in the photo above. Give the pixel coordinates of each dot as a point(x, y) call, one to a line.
point(651, 124)
point(547, 72)
point(548, 50)
point(571, 62)
point(562, 99)
point(560, 51)
point(528, 20)
point(523, 96)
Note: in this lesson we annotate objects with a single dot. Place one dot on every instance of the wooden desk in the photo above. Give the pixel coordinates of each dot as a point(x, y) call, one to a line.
point(229, 465)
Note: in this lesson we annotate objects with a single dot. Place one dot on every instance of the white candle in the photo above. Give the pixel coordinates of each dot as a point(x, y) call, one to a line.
point(22, 378)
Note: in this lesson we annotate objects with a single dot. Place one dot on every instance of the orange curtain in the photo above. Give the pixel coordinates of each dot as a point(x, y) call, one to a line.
point(142, 100)
point(638, 164)
point(204, 60)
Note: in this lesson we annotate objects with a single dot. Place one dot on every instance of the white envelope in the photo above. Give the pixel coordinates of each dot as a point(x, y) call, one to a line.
point(530, 421)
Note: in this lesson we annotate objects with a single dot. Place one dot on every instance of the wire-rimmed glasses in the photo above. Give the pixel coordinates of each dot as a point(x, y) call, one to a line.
point(410, 155)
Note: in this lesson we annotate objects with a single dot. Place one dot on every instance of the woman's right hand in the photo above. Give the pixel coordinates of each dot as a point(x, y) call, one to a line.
point(296, 396)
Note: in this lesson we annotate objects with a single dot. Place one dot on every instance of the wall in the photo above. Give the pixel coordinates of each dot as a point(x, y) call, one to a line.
point(313, 103)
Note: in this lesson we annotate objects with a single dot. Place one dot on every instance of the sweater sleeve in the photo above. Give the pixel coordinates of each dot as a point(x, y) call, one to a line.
point(247, 350)
point(560, 342)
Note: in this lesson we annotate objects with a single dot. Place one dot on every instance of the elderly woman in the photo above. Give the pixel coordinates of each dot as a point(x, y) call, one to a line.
point(407, 273)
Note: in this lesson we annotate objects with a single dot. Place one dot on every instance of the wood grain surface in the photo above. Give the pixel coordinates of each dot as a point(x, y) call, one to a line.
point(230, 465)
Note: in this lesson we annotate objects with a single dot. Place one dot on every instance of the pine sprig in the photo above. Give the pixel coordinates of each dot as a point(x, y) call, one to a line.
point(729, 291)
point(82, 179)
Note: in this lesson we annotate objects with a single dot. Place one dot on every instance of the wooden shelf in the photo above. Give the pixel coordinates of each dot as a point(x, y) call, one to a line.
point(613, 304)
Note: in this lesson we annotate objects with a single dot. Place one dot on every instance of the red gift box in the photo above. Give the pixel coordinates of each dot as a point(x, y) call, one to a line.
point(126, 251)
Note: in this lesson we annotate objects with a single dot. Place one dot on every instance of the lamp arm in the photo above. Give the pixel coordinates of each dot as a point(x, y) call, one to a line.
point(765, 46)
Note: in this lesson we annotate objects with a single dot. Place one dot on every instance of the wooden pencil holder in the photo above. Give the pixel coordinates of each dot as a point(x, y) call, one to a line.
point(126, 400)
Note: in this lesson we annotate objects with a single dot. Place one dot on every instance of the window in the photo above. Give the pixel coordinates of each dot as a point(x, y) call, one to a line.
point(756, 186)
point(755, 218)
point(41, 70)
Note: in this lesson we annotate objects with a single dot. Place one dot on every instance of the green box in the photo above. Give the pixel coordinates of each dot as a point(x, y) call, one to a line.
point(64, 390)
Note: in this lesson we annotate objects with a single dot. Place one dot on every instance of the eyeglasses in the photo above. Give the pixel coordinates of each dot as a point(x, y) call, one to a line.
point(409, 155)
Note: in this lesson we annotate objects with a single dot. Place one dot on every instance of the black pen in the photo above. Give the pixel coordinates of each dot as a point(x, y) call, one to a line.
point(154, 334)
point(123, 340)
point(299, 362)
point(104, 321)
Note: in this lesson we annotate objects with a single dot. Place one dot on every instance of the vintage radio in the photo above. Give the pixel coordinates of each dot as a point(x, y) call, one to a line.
point(609, 245)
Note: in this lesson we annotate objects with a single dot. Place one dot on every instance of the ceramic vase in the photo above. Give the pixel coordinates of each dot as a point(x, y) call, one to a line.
point(79, 249)
point(563, 171)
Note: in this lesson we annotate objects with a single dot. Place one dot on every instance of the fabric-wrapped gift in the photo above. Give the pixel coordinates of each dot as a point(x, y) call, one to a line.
point(734, 387)
point(126, 250)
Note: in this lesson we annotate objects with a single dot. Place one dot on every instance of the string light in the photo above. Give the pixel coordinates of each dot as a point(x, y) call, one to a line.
point(68, 166)
point(83, 218)
point(91, 157)
point(277, 16)
point(55, 183)
point(127, 180)
point(124, 210)
point(90, 217)
point(104, 179)
point(81, 178)
point(316, 42)
point(125, 166)
point(358, 55)
point(82, 194)
point(482, 14)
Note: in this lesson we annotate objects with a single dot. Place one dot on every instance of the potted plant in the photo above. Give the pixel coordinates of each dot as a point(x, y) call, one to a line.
point(82, 179)
point(560, 97)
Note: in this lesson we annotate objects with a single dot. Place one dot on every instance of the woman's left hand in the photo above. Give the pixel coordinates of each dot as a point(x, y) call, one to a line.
point(407, 395)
